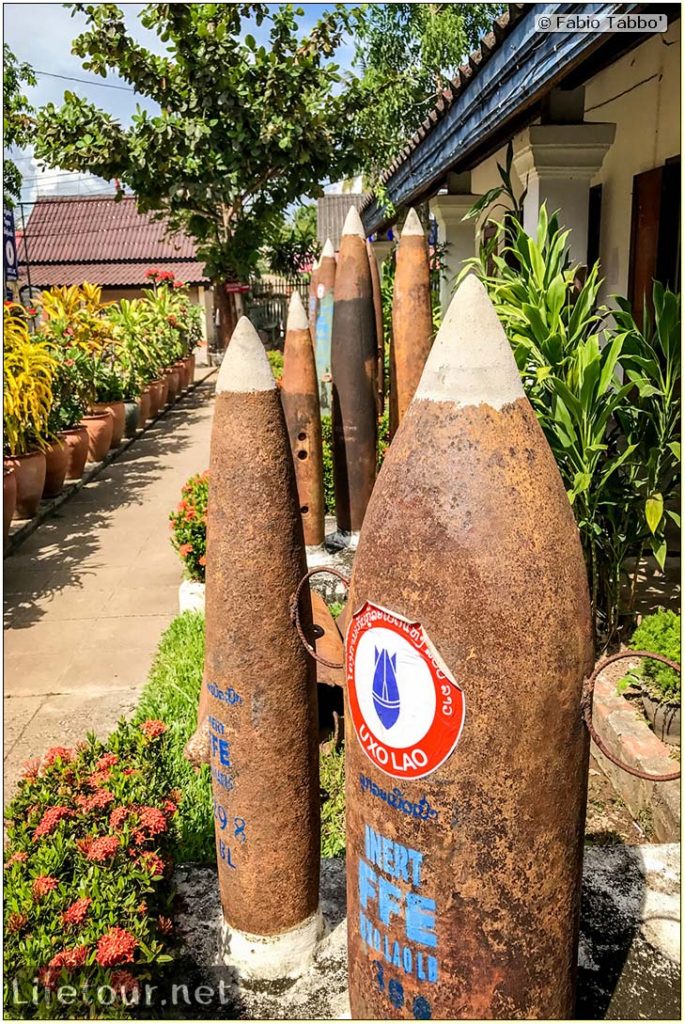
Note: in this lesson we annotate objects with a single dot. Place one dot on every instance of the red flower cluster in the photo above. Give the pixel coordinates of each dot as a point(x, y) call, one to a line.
point(117, 946)
point(43, 885)
point(119, 816)
point(98, 778)
point(76, 913)
point(102, 848)
point(17, 858)
point(184, 550)
point(152, 822)
point(50, 820)
point(124, 984)
point(31, 769)
point(69, 958)
point(15, 922)
point(153, 863)
point(96, 802)
point(153, 728)
point(63, 753)
point(106, 761)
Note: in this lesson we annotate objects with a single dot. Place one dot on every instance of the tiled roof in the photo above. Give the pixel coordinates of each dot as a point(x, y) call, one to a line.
point(109, 274)
point(491, 42)
point(330, 215)
point(81, 229)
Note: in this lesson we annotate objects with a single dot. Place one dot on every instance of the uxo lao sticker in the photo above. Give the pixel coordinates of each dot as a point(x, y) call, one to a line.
point(407, 710)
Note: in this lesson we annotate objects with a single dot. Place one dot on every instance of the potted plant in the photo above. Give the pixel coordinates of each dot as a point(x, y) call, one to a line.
point(655, 684)
point(64, 424)
point(9, 499)
point(28, 374)
point(188, 523)
point(139, 361)
point(109, 396)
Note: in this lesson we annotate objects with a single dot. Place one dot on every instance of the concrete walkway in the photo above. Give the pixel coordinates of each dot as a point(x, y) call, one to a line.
point(89, 593)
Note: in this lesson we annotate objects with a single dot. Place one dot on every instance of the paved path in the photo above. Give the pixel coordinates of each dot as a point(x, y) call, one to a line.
point(89, 593)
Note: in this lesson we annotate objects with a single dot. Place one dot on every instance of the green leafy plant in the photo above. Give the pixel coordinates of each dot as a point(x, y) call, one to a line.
point(659, 633)
point(328, 479)
point(69, 387)
point(86, 863)
point(276, 362)
point(18, 122)
point(332, 774)
point(188, 523)
point(29, 369)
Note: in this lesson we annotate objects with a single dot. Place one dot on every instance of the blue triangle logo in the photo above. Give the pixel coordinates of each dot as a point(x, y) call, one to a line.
point(386, 695)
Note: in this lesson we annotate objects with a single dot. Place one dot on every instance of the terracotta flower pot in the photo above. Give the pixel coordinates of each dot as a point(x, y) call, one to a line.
point(174, 384)
point(29, 471)
point(119, 415)
point(144, 407)
point(100, 427)
point(182, 373)
point(132, 415)
point(165, 393)
point(156, 394)
point(191, 369)
point(56, 462)
point(76, 440)
point(9, 500)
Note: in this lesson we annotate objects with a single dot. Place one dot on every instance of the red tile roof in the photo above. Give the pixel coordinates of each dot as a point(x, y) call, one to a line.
point(74, 238)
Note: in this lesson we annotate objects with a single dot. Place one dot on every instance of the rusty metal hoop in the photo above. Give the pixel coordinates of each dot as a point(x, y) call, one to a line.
point(295, 611)
point(586, 708)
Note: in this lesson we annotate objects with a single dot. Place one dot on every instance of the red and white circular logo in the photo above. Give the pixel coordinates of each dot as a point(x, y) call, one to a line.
point(407, 710)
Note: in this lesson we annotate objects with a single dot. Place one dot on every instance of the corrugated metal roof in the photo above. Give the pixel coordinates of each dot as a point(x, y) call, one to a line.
point(63, 229)
point(110, 274)
point(330, 215)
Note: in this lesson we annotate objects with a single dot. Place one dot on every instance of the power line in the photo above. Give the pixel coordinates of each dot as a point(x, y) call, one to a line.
point(85, 81)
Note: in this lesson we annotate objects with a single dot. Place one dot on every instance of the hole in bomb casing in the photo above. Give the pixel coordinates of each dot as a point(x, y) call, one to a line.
point(302, 436)
point(304, 510)
point(302, 454)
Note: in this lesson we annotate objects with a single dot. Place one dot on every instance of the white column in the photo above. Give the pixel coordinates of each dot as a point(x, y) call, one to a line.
point(556, 163)
point(458, 234)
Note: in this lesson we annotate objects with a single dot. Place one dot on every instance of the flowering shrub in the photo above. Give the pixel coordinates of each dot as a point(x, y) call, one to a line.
point(89, 835)
point(188, 524)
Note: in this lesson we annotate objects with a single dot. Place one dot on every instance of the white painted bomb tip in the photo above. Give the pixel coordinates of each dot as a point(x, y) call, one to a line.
point(353, 223)
point(270, 957)
point(245, 367)
point(297, 317)
point(412, 225)
point(316, 264)
point(471, 362)
point(328, 251)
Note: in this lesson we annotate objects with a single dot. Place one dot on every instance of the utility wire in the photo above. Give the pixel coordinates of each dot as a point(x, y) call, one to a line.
point(85, 81)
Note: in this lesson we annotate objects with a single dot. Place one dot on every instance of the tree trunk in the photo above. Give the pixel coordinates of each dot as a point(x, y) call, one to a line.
point(224, 302)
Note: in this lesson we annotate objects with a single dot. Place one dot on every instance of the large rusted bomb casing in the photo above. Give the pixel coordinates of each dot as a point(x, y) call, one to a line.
point(260, 684)
point(466, 757)
point(313, 298)
point(300, 397)
point(412, 320)
point(378, 314)
point(324, 322)
point(353, 359)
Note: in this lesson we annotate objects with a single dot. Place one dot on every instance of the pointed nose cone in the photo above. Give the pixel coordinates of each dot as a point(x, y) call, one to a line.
point(328, 251)
point(297, 316)
point(412, 225)
point(245, 367)
point(353, 224)
point(471, 362)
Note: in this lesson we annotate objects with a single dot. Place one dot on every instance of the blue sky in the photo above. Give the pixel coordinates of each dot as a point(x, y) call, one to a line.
point(42, 34)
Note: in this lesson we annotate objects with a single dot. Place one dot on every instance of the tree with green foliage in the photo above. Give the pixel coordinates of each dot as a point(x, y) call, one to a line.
point(294, 243)
point(243, 129)
point(407, 53)
point(17, 120)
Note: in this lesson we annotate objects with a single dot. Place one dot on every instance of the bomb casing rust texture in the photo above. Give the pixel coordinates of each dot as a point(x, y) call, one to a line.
point(353, 359)
point(260, 685)
point(325, 284)
point(300, 397)
point(412, 319)
point(378, 314)
point(466, 756)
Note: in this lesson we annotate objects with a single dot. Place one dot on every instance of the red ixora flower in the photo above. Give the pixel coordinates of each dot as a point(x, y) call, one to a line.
point(31, 768)
point(98, 778)
point(184, 550)
point(117, 946)
point(119, 816)
point(76, 913)
point(102, 848)
point(179, 284)
point(153, 728)
point(124, 984)
point(63, 753)
point(74, 957)
point(96, 802)
point(130, 771)
point(202, 560)
point(15, 922)
point(50, 820)
point(17, 858)
point(165, 275)
point(106, 761)
point(153, 863)
point(152, 274)
point(152, 822)
point(42, 885)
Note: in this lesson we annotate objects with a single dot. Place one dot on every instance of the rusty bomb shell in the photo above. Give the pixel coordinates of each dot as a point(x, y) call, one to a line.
point(325, 285)
point(378, 315)
point(300, 397)
point(353, 359)
point(260, 684)
point(412, 320)
point(313, 298)
point(466, 756)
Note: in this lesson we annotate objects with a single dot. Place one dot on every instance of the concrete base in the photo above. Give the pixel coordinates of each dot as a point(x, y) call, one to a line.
point(628, 957)
point(330, 587)
point(268, 958)
point(191, 597)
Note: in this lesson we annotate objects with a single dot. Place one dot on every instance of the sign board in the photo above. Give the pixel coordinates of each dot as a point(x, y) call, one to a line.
point(407, 709)
point(236, 289)
point(9, 244)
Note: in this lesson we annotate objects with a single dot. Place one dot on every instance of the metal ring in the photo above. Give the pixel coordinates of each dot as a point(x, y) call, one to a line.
point(586, 708)
point(295, 611)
